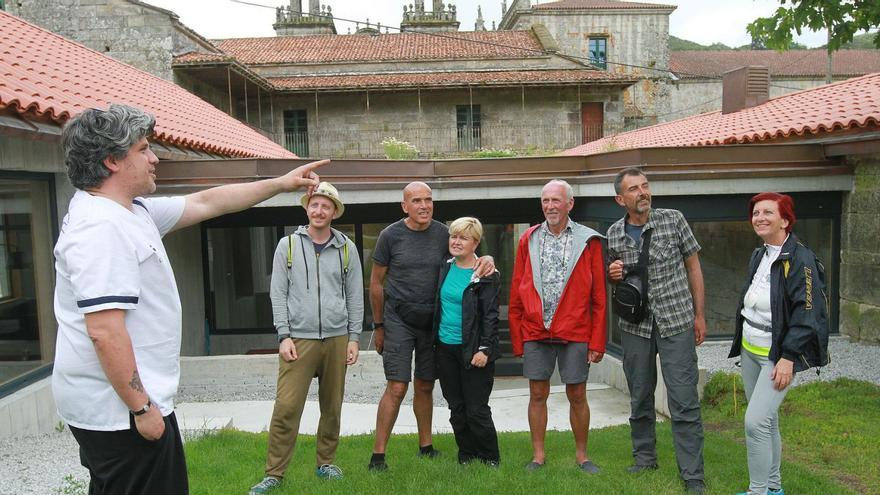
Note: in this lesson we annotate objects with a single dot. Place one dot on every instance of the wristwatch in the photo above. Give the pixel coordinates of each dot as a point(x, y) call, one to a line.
point(144, 409)
point(378, 325)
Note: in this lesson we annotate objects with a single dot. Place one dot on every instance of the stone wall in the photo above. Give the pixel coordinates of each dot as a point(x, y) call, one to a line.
point(354, 124)
point(859, 256)
point(138, 35)
point(726, 248)
point(692, 97)
point(638, 41)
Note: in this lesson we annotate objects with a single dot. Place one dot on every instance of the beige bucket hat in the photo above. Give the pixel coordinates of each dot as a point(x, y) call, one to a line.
point(327, 190)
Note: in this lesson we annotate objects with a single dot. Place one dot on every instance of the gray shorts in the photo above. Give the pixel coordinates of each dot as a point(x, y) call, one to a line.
point(401, 342)
point(540, 358)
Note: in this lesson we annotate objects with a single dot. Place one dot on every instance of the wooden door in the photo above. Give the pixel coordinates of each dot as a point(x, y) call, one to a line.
point(592, 121)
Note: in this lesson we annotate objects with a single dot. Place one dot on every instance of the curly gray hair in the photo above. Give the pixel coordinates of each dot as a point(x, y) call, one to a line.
point(95, 135)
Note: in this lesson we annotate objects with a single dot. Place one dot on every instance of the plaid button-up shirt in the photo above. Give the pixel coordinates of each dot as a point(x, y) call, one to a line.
point(670, 304)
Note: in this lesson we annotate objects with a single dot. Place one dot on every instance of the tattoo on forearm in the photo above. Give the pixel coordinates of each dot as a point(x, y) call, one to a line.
point(135, 382)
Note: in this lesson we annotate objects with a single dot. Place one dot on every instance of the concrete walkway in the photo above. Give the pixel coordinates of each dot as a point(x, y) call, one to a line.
point(509, 402)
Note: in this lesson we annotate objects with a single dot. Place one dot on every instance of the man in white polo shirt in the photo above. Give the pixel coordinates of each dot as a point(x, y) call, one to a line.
point(119, 315)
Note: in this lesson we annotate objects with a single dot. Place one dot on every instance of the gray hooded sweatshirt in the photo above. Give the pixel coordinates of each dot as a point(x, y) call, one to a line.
point(317, 297)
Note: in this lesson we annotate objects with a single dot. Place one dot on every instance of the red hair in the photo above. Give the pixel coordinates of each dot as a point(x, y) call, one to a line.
point(783, 202)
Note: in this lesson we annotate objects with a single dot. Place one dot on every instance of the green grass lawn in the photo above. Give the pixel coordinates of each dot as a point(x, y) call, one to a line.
point(830, 431)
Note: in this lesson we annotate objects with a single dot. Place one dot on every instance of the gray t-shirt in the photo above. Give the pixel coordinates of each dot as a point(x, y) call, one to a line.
point(634, 231)
point(413, 258)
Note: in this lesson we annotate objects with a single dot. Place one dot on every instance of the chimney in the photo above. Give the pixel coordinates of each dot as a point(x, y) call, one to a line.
point(745, 87)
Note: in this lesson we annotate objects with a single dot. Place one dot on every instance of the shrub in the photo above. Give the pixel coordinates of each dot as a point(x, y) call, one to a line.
point(396, 149)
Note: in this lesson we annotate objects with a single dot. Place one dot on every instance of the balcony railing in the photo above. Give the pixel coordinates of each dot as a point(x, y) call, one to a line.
point(443, 141)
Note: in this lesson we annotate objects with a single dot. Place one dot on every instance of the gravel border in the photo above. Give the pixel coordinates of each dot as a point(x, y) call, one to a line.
point(37, 465)
point(848, 359)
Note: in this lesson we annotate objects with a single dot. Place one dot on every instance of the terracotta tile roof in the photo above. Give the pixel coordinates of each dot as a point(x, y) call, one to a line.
point(47, 76)
point(598, 4)
point(329, 48)
point(434, 79)
point(792, 63)
point(201, 57)
point(843, 105)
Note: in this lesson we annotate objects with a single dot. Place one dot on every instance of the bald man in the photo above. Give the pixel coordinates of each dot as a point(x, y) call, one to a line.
point(408, 256)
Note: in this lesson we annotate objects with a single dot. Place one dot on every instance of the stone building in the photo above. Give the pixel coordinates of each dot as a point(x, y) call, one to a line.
point(576, 70)
point(618, 37)
point(530, 85)
point(341, 96)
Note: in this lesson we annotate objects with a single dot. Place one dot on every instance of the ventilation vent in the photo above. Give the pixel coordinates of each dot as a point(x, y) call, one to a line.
point(745, 87)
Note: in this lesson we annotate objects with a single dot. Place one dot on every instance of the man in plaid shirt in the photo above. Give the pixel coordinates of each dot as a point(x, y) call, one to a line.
point(673, 326)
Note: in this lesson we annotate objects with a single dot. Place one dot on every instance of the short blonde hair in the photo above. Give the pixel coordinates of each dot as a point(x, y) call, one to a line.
point(468, 226)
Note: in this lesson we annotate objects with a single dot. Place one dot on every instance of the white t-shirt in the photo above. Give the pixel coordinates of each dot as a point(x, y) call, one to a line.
point(109, 257)
point(756, 305)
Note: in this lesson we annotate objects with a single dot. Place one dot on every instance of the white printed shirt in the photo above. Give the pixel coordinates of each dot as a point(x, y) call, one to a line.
point(109, 257)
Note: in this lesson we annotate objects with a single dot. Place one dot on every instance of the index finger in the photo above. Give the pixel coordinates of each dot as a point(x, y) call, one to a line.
point(311, 166)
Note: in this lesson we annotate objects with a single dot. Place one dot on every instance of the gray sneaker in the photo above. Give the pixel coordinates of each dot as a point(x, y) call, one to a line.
point(695, 487)
point(329, 472)
point(589, 468)
point(268, 484)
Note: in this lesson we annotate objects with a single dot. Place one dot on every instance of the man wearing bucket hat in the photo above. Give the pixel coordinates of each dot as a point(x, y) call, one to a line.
point(318, 309)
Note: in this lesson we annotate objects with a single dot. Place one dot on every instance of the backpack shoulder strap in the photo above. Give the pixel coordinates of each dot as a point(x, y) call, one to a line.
point(289, 251)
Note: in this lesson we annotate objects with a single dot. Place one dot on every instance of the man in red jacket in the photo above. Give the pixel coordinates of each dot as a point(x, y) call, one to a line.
point(557, 314)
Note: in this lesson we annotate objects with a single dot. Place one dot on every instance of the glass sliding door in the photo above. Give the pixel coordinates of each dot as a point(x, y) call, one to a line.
point(27, 324)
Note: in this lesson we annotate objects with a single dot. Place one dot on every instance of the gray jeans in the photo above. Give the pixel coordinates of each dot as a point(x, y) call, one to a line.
point(678, 360)
point(763, 443)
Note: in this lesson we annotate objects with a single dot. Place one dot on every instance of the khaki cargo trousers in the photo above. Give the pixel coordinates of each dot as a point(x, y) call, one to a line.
point(324, 359)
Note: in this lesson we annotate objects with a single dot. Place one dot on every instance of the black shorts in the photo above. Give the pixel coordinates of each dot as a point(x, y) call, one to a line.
point(124, 462)
point(401, 342)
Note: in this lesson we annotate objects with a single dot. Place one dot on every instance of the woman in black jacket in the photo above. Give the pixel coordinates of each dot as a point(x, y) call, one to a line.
point(466, 344)
point(781, 328)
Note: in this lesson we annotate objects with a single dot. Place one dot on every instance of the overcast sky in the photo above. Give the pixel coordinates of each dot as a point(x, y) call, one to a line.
point(697, 20)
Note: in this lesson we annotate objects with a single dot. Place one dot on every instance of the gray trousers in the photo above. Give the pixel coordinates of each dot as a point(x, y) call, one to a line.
point(678, 360)
point(763, 443)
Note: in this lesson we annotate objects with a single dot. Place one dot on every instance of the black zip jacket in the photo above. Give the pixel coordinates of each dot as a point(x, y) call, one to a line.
point(798, 307)
point(479, 315)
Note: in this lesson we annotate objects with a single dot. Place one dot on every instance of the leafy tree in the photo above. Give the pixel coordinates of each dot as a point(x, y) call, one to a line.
point(842, 18)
